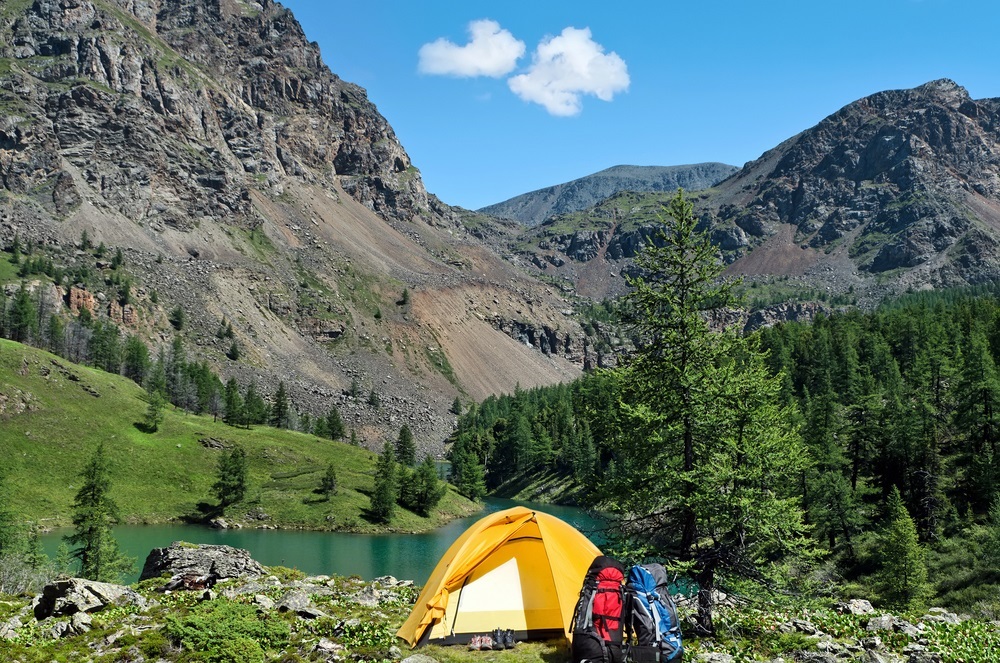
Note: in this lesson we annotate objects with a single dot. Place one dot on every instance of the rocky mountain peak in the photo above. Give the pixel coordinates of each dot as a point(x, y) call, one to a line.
point(897, 190)
point(249, 186)
point(277, 110)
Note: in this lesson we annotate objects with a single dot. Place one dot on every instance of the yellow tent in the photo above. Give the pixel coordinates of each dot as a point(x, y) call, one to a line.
point(516, 569)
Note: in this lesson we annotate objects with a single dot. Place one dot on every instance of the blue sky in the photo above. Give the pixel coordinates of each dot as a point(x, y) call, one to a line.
point(664, 83)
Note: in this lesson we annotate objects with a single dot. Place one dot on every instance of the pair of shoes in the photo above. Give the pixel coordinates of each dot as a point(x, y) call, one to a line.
point(503, 638)
point(480, 642)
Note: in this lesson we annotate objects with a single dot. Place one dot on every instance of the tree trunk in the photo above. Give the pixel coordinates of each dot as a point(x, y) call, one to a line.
point(706, 601)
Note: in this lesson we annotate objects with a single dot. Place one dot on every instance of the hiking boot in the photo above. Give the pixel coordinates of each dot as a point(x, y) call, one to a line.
point(497, 637)
point(476, 643)
point(508, 638)
point(487, 642)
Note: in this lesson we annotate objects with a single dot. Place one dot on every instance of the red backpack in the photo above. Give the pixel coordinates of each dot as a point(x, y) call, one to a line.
point(597, 619)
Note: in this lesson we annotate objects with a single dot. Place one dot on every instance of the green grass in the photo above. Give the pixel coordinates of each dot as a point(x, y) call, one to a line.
point(164, 476)
point(11, 8)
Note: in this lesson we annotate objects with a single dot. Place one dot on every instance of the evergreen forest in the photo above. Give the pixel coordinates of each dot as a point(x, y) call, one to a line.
point(901, 403)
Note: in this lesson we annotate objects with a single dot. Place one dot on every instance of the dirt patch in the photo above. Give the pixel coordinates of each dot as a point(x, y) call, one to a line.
point(779, 255)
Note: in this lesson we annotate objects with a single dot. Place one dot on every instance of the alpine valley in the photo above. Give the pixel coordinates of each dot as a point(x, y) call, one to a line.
point(236, 179)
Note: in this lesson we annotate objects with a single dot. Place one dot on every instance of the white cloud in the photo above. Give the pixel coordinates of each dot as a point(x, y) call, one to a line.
point(491, 51)
point(566, 67)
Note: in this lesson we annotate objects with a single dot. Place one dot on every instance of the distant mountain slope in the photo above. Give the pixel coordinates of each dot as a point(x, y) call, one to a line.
point(534, 207)
point(246, 184)
point(896, 191)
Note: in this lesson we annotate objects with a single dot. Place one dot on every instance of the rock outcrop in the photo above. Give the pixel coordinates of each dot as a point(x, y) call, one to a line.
point(77, 595)
point(248, 185)
point(903, 183)
point(181, 558)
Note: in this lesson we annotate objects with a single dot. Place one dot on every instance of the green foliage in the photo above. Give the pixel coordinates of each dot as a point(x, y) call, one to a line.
point(334, 424)
point(176, 317)
point(231, 477)
point(48, 455)
point(154, 411)
point(328, 484)
point(280, 409)
point(903, 569)
point(94, 513)
point(224, 631)
point(386, 488)
point(406, 448)
point(420, 490)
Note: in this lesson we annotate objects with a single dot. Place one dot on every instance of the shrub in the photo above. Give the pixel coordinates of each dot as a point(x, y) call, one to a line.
point(227, 631)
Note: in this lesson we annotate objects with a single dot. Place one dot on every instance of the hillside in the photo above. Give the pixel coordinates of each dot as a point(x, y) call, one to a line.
point(53, 414)
point(247, 184)
point(535, 207)
point(896, 191)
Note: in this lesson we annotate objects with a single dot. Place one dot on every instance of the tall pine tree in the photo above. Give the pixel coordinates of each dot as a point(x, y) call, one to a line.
point(94, 513)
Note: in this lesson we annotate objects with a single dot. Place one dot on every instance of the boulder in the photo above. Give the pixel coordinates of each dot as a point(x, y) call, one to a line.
point(297, 601)
point(69, 596)
point(855, 607)
point(185, 559)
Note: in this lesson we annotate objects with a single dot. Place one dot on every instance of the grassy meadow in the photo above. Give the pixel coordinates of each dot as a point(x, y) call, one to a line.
point(54, 413)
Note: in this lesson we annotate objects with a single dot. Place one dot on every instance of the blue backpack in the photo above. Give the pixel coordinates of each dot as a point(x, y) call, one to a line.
point(653, 633)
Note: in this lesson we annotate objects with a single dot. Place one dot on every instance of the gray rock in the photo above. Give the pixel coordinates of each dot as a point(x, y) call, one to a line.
point(940, 615)
point(714, 657)
point(297, 601)
point(81, 622)
point(880, 623)
point(202, 560)
point(419, 658)
point(8, 629)
point(263, 602)
point(855, 607)
point(369, 597)
point(72, 595)
point(816, 657)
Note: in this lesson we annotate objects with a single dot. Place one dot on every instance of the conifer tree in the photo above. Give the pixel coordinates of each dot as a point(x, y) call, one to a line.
point(23, 316)
point(420, 489)
point(231, 477)
point(94, 513)
point(904, 571)
point(154, 411)
point(254, 407)
point(386, 488)
point(710, 447)
point(280, 408)
point(234, 415)
point(406, 449)
point(135, 362)
point(334, 424)
point(328, 484)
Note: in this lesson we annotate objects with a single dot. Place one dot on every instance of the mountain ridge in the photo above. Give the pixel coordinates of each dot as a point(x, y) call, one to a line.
point(536, 206)
point(899, 190)
point(246, 183)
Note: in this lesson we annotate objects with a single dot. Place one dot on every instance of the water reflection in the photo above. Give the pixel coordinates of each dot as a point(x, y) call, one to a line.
point(406, 556)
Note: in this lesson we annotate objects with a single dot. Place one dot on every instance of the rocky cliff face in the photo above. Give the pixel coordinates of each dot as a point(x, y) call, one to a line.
point(153, 105)
point(247, 184)
point(534, 207)
point(897, 190)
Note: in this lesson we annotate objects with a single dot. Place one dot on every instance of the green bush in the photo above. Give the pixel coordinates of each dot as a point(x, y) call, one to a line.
point(224, 631)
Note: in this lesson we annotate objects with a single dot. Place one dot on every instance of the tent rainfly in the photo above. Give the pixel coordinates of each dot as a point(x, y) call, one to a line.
point(515, 569)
